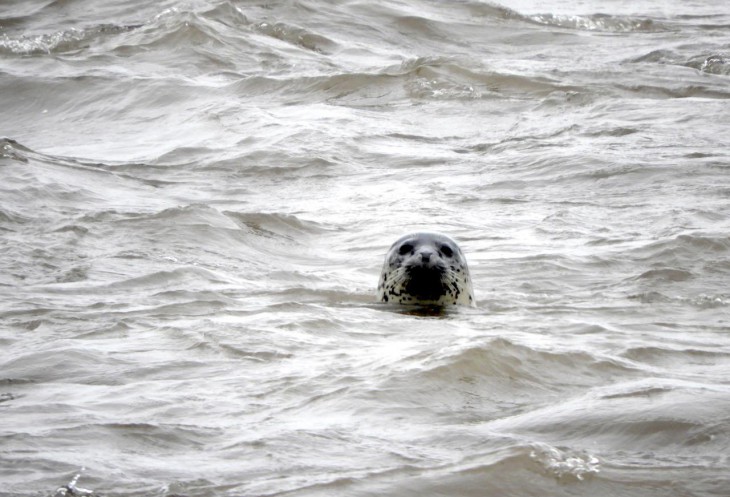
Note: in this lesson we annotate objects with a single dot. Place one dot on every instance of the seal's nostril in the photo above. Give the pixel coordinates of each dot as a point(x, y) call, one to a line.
point(425, 257)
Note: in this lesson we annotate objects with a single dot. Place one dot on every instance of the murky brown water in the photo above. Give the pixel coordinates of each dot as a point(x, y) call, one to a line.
point(196, 198)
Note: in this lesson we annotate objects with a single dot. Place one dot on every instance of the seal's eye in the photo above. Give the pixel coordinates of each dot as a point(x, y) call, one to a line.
point(405, 249)
point(446, 251)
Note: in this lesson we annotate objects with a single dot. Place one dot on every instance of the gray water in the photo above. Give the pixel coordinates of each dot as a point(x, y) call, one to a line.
point(195, 203)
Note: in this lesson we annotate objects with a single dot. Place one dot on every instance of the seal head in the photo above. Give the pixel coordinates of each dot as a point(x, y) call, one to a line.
point(425, 269)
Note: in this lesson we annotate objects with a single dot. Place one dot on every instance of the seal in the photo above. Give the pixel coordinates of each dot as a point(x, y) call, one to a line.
point(425, 269)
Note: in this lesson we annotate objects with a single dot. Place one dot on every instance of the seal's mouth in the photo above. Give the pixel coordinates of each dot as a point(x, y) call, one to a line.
point(425, 283)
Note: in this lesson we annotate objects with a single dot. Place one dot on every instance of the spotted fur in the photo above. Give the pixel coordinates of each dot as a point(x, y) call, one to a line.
point(425, 269)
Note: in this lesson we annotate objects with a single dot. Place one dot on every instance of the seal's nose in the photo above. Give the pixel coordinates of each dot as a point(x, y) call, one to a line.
point(426, 256)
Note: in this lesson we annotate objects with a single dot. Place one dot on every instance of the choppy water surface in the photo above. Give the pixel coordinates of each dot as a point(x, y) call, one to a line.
point(196, 198)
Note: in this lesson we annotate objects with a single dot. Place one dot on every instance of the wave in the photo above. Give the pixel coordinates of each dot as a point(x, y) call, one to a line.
point(683, 248)
point(449, 79)
point(695, 265)
point(79, 365)
point(11, 149)
point(230, 242)
point(666, 275)
point(296, 36)
point(142, 173)
point(687, 359)
point(64, 41)
point(423, 78)
point(485, 382)
point(600, 22)
point(711, 62)
point(39, 184)
point(184, 277)
point(274, 225)
point(208, 33)
point(521, 364)
point(565, 464)
point(491, 471)
point(171, 25)
point(219, 33)
point(591, 22)
point(702, 301)
point(87, 234)
point(639, 415)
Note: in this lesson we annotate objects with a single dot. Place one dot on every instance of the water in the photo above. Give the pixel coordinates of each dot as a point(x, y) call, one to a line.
point(197, 197)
